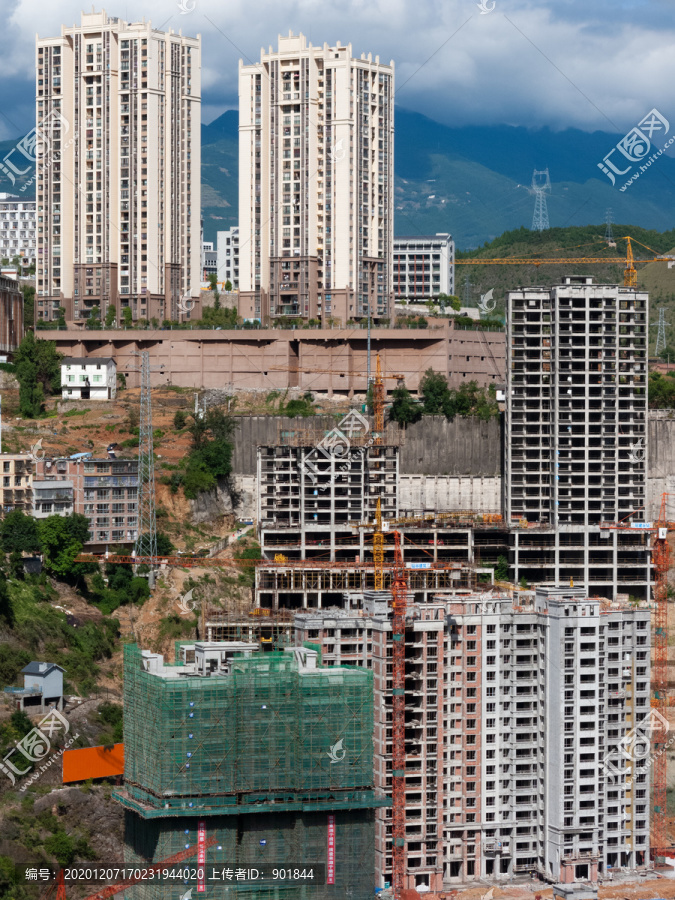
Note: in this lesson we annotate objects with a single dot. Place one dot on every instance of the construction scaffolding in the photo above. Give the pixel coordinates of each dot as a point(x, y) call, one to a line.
point(258, 736)
point(261, 842)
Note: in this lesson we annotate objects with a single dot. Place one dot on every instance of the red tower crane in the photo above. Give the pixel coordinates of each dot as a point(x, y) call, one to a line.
point(112, 889)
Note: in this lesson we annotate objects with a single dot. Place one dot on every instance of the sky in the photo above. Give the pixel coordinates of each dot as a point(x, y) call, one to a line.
point(597, 65)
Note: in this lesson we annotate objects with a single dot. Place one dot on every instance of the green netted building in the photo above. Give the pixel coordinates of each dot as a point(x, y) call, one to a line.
point(269, 756)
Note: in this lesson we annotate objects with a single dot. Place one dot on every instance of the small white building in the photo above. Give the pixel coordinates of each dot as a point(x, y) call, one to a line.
point(91, 378)
point(227, 257)
point(42, 686)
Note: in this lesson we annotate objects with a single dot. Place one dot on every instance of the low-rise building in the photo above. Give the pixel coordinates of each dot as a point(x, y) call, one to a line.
point(93, 378)
point(228, 257)
point(17, 229)
point(103, 490)
point(424, 266)
point(16, 487)
point(209, 260)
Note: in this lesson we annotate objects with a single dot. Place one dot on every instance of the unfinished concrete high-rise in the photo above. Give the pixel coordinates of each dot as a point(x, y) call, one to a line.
point(576, 442)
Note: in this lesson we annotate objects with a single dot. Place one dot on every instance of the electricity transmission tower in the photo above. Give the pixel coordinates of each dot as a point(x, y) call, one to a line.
point(146, 542)
point(609, 236)
point(467, 291)
point(540, 188)
point(661, 335)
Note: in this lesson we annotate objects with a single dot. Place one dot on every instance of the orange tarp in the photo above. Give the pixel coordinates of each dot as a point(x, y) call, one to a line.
point(93, 762)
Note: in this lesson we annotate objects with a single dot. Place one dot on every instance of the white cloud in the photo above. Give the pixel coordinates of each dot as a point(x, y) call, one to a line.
point(525, 63)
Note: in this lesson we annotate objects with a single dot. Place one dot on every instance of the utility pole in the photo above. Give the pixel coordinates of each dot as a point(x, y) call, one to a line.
point(467, 291)
point(541, 185)
point(146, 541)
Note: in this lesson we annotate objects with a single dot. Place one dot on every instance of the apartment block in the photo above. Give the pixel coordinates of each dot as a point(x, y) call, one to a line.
point(11, 314)
point(424, 266)
point(17, 229)
point(365, 639)
point(519, 707)
point(576, 446)
point(227, 252)
point(542, 688)
point(315, 183)
point(119, 104)
point(104, 490)
point(18, 470)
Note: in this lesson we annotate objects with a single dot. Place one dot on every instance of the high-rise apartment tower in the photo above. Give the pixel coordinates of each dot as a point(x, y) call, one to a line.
point(118, 170)
point(576, 442)
point(316, 162)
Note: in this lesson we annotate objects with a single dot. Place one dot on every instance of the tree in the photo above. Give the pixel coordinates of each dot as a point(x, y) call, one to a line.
point(228, 285)
point(502, 569)
point(450, 300)
point(180, 419)
point(6, 609)
point(434, 392)
point(38, 371)
point(61, 540)
point(127, 318)
point(110, 316)
point(404, 409)
point(94, 320)
point(19, 532)
point(31, 394)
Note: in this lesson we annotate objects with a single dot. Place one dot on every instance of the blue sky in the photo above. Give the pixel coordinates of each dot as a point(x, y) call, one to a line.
point(589, 64)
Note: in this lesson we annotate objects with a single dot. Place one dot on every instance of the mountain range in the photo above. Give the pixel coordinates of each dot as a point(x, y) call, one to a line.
point(473, 181)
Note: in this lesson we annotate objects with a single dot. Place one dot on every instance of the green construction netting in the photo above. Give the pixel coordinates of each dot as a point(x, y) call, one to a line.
point(267, 728)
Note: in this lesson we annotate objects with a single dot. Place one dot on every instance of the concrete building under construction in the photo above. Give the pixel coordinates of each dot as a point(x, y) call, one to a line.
point(517, 711)
point(576, 442)
point(261, 760)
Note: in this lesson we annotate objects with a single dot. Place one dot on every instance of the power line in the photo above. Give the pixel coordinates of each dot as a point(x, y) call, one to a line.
point(661, 336)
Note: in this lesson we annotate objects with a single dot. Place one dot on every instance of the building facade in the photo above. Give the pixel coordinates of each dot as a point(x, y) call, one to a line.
point(424, 266)
point(265, 759)
point(17, 229)
point(316, 131)
point(93, 378)
point(119, 106)
point(103, 490)
point(18, 470)
point(227, 246)
point(209, 260)
point(576, 442)
point(11, 314)
point(518, 709)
